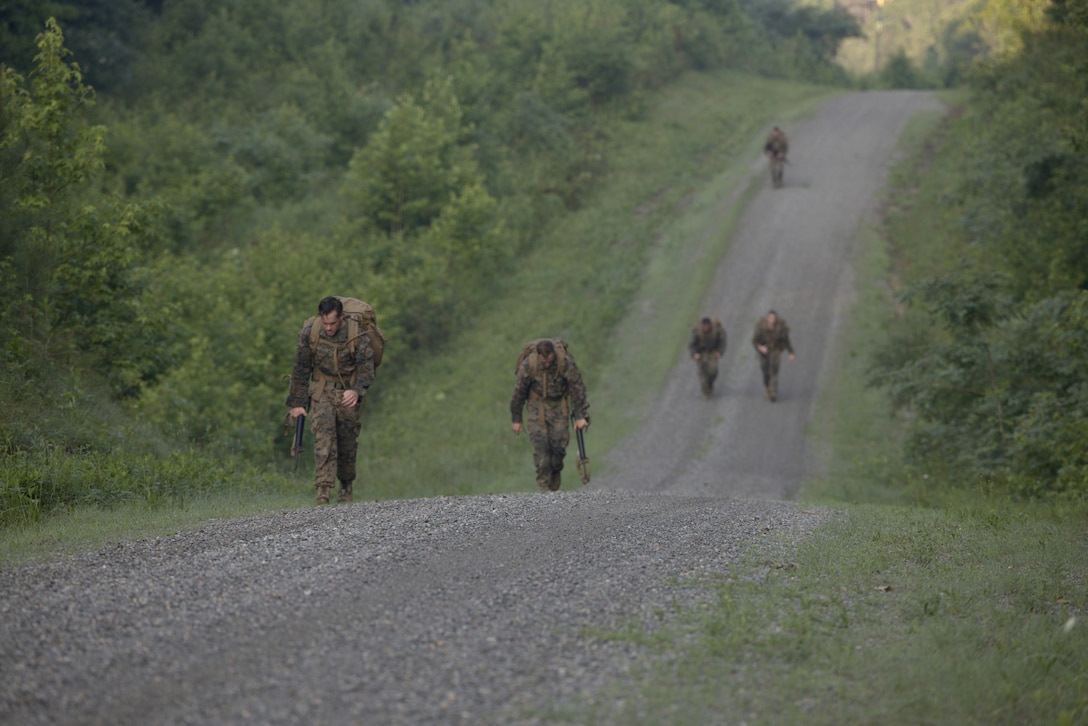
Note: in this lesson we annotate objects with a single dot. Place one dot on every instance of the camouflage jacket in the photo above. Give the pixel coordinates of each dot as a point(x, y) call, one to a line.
point(777, 143)
point(550, 384)
point(714, 341)
point(333, 360)
point(776, 339)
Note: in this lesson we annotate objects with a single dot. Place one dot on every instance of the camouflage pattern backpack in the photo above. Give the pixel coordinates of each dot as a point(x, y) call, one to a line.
point(717, 329)
point(359, 315)
point(529, 351)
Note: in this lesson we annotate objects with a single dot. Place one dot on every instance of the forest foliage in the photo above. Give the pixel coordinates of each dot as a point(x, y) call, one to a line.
point(183, 181)
point(993, 359)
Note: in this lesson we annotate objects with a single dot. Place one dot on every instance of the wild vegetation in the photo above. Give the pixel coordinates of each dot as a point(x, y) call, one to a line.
point(933, 596)
point(166, 231)
point(181, 188)
point(990, 356)
point(163, 236)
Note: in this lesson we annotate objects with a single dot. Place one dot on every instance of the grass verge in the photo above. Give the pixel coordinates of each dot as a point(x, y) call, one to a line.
point(891, 615)
point(970, 609)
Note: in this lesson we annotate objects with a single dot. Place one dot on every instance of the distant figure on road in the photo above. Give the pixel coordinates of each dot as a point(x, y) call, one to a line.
point(772, 336)
point(706, 347)
point(776, 148)
point(550, 388)
point(333, 369)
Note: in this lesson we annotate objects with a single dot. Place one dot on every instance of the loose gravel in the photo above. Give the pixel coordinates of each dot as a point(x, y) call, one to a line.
point(483, 609)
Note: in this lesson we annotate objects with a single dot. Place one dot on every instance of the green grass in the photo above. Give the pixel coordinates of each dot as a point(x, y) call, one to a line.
point(646, 239)
point(891, 614)
point(918, 603)
point(89, 528)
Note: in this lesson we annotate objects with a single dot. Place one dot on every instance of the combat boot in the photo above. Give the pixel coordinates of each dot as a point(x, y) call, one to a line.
point(345, 492)
point(323, 495)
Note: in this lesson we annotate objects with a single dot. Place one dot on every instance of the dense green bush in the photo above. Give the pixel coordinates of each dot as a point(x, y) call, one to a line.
point(74, 260)
point(243, 159)
point(995, 368)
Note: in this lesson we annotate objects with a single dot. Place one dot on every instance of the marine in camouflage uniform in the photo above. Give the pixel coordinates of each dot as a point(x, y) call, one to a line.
point(771, 337)
point(551, 392)
point(332, 379)
point(706, 347)
point(776, 148)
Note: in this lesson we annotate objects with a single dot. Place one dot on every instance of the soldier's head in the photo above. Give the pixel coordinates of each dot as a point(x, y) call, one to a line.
point(706, 324)
point(772, 318)
point(331, 311)
point(545, 349)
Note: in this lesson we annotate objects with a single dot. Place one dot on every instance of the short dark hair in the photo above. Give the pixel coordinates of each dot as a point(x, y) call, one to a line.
point(705, 321)
point(331, 304)
point(545, 347)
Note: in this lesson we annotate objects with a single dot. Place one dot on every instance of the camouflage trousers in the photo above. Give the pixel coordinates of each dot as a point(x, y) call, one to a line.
point(777, 167)
point(707, 369)
point(768, 364)
point(549, 432)
point(336, 438)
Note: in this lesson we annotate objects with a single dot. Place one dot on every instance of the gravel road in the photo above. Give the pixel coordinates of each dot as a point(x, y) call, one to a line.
point(474, 610)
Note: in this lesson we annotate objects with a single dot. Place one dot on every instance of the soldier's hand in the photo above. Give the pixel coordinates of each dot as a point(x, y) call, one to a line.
point(791, 356)
point(762, 349)
point(351, 397)
point(516, 428)
point(296, 412)
point(696, 356)
point(581, 423)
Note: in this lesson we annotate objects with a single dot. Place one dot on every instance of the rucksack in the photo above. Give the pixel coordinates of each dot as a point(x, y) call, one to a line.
point(529, 351)
point(717, 327)
point(359, 315)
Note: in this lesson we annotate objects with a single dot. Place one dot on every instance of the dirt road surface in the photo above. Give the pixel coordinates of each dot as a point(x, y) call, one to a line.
point(478, 610)
point(791, 254)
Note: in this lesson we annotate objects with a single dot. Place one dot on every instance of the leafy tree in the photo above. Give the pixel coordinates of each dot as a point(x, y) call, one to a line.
point(72, 259)
point(402, 179)
point(1000, 393)
point(1004, 23)
point(105, 36)
point(424, 221)
point(901, 73)
point(451, 129)
point(821, 31)
point(1070, 13)
point(997, 379)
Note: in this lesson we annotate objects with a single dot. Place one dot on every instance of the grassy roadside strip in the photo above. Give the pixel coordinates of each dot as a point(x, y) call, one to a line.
point(969, 610)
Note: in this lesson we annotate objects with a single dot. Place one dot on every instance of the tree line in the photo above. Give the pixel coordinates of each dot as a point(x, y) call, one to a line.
point(181, 182)
point(994, 361)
